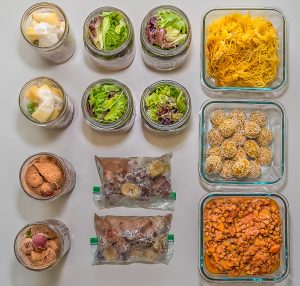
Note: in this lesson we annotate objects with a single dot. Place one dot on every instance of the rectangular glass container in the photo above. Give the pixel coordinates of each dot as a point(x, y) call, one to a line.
point(272, 175)
point(283, 269)
point(278, 20)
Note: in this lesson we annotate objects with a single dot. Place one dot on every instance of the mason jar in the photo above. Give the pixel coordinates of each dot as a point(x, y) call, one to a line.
point(123, 124)
point(55, 50)
point(36, 166)
point(56, 230)
point(116, 59)
point(161, 128)
point(60, 120)
point(164, 59)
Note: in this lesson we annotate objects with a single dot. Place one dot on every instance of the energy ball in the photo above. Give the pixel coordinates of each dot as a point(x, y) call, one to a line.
point(241, 168)
point(259, 117)
point(251, 129)
point(217, 117)
point(252, 149)
point(227, 169)
point(213, 165)
point(240, 154)
point(215, 137)
point(265, 157)
point(227, 127)
point(239, 138)
point(228, 149)
point(238, 116)
point(214, 150)
point(265, 137)
point(255, 170)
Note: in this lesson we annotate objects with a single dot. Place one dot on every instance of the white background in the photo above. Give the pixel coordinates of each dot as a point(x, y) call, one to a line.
point(79, 144)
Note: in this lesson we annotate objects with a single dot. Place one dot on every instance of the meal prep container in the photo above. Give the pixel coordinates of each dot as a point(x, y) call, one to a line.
point(273, 174)
point(278, 20)
point(63, 235)
point(283, 270)
point(64, 49)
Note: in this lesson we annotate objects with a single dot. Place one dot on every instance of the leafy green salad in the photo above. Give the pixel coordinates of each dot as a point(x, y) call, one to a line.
point(108, 31)
point(166, 29)
point(107, 102)
point(166, 105)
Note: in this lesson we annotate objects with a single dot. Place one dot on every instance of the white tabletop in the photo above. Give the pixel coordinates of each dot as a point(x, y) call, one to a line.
point(79, 144)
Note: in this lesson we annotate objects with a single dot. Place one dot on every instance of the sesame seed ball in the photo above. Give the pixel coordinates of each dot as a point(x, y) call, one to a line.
point(228, 149)
point(240, 154)
point(227, 127)
point(241, 168)
point(265, 157)
point(238, 116)
point(213, 165)
point(239, 138)
point(252, 149)
point(255, 170)
point(259, 117)
point(227, 170)
point(217, 117)
point(215, 137)
point(214, 150)
point(251, 129)
point(265, 137)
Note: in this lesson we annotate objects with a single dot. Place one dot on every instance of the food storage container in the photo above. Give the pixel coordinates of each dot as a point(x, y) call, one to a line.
point(57, 51)
point(165, 59)
point(273, 176)
point(160, 128)
point(276, 17)
point(115, 59)
point(67, 180)
point(65, 116)
point(62, 235)
point(123, 124)
point(283, 269)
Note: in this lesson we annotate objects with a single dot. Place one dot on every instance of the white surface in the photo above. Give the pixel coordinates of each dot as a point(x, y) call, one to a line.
point(79, 144)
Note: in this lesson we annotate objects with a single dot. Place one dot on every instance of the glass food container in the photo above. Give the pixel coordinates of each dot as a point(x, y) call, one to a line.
point(115, 59)
point(158, 127)
point(277, 18)
point(283, 270)
point(165, 59)
point(273, 176)
point(53, 228)
point(51, 169)
point(31, 97)
point(122, 124)
point(55, 50)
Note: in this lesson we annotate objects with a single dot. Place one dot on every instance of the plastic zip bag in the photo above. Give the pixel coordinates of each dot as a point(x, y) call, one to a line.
point(131, 239)
point(135, 182)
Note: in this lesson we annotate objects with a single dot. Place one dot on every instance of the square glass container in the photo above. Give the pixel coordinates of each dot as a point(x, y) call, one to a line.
point(283, 270)
point(277, 18)
point(272, 175)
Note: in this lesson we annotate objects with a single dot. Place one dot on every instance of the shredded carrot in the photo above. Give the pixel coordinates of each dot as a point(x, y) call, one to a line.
point(242, 50)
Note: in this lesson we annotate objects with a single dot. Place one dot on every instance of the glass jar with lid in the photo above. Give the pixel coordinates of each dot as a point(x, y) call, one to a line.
point(45, 27)
point(165, 38)
point(108, 106)
point(109, 38)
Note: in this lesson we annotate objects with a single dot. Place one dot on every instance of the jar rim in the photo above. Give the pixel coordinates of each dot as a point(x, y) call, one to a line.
point(99, 124)
point(30, 83)
point(165, 52)
point(49, 5)
point(30, 159)
point(107, 53)
point(161, 127)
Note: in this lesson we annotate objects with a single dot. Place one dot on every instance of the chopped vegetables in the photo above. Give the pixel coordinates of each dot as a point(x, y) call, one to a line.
point(242, 50)
point(166, 105)
point(108, 31)
point(166, 29)
point(107, 102)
